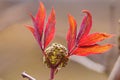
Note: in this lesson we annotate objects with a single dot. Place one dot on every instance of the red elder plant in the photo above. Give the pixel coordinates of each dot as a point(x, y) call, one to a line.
point(79, 43)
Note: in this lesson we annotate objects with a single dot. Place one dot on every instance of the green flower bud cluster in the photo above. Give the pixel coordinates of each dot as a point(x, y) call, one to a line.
point(56, 56)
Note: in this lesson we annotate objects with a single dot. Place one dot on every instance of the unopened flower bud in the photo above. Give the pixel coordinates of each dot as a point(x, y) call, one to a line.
point(56, 56)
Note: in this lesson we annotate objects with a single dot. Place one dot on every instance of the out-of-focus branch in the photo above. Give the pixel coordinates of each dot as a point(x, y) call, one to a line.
point(89, 63)
point(115, 74)
point(25, 75)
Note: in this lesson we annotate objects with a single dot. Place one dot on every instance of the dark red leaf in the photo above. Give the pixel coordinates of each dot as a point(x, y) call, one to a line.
point(50, 29)
point(85, 26)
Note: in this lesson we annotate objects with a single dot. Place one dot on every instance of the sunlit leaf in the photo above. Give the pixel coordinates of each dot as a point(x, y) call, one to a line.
point(71, 36)
point(94, 49)
point(93, 38)
point(40, 19)
point(30, 28)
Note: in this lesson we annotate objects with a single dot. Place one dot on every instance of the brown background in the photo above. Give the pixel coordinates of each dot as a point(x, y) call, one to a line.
point(20, 52)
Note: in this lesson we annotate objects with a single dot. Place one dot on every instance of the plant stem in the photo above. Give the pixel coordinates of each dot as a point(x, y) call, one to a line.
point(52, 73)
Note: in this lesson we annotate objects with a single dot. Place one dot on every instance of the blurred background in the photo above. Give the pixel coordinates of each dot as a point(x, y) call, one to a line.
point(20, 52)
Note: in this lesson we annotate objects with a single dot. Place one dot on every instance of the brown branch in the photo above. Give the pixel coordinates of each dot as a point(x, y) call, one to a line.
point(115, 74)
point(89, 63)
point(25, 75)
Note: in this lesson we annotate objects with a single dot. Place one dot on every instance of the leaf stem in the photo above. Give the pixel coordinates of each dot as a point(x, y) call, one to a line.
point(52, 73)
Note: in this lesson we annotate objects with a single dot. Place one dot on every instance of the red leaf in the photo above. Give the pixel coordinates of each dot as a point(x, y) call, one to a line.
point(94, 49)
point(30, 28)
point(71, 36)
point(50, 29)
point(93, 38)
point(38, 22)
point(40, 19)
point(85, 26)
point(34, 34)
